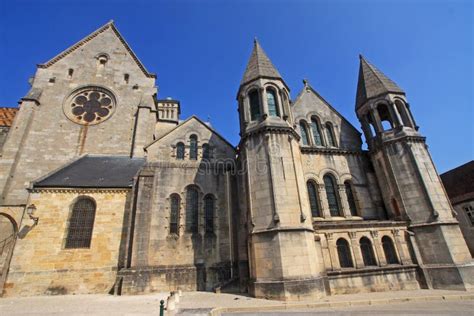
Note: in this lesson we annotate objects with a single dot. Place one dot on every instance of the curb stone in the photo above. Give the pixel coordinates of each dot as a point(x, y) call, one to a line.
point(217, 311)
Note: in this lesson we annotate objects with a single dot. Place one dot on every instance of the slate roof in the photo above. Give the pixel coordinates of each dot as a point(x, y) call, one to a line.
point(459, 183)
point(259, 66)
point(94, 172)
point(6, 116)
point(372, 83)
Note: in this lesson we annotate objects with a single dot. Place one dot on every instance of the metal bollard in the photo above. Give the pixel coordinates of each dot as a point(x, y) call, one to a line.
point(162, 308)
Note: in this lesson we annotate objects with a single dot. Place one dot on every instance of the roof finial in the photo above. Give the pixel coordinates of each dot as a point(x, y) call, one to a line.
point(255, 40)
point(305, 82)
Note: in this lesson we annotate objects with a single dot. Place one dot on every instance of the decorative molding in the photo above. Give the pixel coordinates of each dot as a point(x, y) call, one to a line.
point(80, 190)
point(329, 151)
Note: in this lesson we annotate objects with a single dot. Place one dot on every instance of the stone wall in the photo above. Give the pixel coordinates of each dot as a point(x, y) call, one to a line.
point(465, 223)
point(43, 139)
point(42, 265)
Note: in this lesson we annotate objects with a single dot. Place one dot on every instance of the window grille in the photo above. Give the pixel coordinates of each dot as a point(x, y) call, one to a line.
point(330, 135)
point(180, 151)
point(350, 198)
point(81, 224)
point(206, 152)
point(192, 209)
point(344, 253)
point(389, 250)
point(367, 252)
point(174, 214)
point(313, 199)
point(329, 184)
point(193, 147)
point(316, 133)
point(209, 213)
point(470, 213)
point(254, 99)
point(272, 103)
point(304, 133)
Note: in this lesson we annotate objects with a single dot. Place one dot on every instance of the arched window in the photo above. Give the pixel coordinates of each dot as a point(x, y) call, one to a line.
point(180, 151)
point(385, 116)
point(331, 194)
point(330, 135)
point(402, 110)
point(193, 149)
point(313, 199)
point(344, 253)
point(350, 198)
point(174, 213)
point(389, 250)
point(192, 209)
point(304, 133)
point(367, 252)
point(81, 223)
point(209, 213)
point(272, 103)
point(206, 152)
point(316, 132)
point(254, 100)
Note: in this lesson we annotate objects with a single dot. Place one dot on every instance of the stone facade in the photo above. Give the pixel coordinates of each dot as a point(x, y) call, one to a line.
point(459, 184)
point(42, 264)
point(106, 190)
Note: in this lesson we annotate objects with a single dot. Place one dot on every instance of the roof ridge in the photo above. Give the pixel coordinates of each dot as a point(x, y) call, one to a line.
point(91, 36)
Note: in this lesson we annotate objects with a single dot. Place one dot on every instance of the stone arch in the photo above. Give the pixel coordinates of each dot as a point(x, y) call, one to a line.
point(385, 115)
point(331, 171)
point(8, 234)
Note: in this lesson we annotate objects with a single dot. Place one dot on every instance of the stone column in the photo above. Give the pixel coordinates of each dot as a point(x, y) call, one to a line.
point(401, 247)
point(324, 202)
point(397, 118)
point(366, 128)
point(283, 109)
point(346, 211)
point(264, 103)
point(358, 261)
point(379, 253)
point(333, 251)
point(245, 108)
point(374, 114)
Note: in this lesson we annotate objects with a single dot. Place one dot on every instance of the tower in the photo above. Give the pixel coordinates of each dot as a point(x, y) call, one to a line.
point(411, 188)
point(283, 259)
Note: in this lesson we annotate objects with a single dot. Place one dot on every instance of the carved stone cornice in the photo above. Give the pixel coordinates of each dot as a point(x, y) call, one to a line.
point(329, 151)
point(271, 129)
point(80, 190)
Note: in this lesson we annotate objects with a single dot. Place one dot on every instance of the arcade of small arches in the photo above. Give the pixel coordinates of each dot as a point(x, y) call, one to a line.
point(334, 194)
point(192, 212)
point(364, 248)
point(317, 134)
point(384, 116)
point(263, 102)
point(193, 149)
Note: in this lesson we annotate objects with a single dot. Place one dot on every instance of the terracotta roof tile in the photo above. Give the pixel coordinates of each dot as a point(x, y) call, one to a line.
point(7, 115)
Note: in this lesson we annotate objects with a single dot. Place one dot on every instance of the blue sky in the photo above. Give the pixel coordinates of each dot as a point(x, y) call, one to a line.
point(199, 50)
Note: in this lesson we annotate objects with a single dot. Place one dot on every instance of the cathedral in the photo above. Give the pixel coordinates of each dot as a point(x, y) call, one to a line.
point(104, 188)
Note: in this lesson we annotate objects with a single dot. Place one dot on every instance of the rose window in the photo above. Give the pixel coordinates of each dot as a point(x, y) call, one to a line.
point(90, 106)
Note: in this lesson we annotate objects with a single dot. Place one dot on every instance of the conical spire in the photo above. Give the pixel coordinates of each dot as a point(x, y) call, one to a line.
point(372, 83)
point(259, 66)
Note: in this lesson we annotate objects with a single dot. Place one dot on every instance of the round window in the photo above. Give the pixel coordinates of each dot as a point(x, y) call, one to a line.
point(90, 105)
